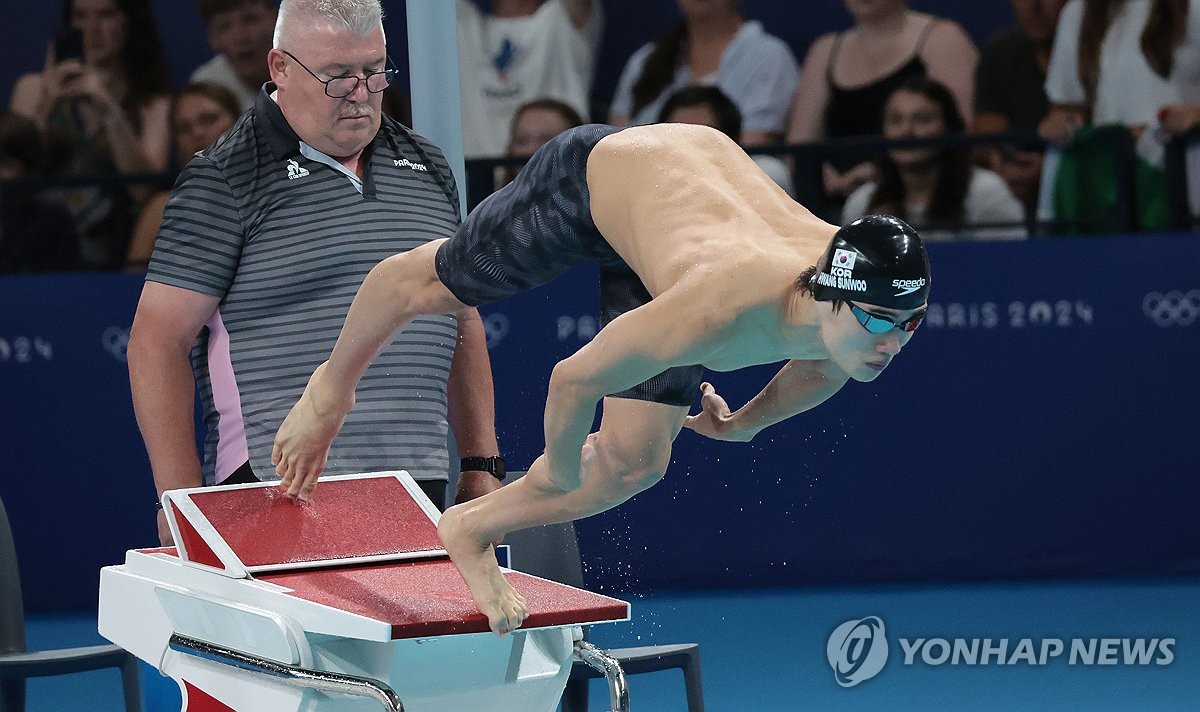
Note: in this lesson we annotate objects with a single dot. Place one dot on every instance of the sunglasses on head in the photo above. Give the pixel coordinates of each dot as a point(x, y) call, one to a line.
point(882, 324)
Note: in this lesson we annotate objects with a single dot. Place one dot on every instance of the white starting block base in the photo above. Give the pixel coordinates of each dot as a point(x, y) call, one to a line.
point(357, 629)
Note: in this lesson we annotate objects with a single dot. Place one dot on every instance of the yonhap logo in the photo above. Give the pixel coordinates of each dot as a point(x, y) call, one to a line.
point(857, 650)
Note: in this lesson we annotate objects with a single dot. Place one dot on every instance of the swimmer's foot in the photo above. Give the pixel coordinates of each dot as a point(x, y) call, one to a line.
point(504, 607)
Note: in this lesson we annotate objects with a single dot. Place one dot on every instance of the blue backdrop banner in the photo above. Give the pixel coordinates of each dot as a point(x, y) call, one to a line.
point(1040, 423)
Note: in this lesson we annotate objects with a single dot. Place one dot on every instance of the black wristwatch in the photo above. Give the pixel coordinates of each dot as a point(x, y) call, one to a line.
point(494, 465)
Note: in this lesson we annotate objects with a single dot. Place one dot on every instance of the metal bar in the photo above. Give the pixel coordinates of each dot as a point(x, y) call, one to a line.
point(290, 675)
point(597, 659)
point(433, 81)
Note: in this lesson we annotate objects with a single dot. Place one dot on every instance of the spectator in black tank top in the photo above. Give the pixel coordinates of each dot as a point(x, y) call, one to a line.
point(847, 77)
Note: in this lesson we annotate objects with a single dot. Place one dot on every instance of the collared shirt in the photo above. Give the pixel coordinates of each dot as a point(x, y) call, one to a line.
point(284, 239)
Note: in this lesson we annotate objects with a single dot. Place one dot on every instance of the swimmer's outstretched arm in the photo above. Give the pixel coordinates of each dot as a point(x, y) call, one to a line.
point(799, 386)
point(394, 291)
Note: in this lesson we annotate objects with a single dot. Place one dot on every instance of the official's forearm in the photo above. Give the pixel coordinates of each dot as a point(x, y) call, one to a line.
point(160, 379)
point(472, 409)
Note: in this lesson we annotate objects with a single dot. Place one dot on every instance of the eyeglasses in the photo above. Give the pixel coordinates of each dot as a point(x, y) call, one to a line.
point(882, 324)
point(341, 87)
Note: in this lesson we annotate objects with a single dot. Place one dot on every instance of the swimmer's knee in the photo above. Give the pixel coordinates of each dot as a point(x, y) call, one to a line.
point(647, 474)
point(564, 483)
point(641, 479)
point(633, 471)
point(548, 482)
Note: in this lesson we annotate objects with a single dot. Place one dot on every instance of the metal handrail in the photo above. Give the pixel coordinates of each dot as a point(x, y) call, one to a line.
point(480, 179)
point(597, 659)
point(290, 675)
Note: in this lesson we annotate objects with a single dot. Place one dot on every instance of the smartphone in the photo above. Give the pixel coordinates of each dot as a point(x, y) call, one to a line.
point(68, 44)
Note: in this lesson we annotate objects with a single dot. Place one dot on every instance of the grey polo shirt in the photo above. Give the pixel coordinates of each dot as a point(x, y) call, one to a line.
point(285, 241)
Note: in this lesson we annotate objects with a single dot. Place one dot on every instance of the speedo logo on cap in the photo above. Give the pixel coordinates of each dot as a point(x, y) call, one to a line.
point(907, 286)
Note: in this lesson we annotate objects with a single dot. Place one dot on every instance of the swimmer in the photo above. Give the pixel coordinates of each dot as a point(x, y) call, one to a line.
point(704, 263)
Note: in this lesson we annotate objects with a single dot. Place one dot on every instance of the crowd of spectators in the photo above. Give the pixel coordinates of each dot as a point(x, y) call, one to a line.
point(86, 144)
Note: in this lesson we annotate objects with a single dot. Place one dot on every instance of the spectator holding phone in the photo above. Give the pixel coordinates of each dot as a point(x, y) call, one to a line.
point(101, 103)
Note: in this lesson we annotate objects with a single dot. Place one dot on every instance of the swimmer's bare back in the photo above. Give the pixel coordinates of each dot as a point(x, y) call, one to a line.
point(680, 199)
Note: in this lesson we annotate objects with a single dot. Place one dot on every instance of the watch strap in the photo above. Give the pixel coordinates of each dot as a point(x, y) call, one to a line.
point(493, 465)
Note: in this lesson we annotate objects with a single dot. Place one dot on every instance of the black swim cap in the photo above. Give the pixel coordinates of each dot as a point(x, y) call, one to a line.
point(877, 259)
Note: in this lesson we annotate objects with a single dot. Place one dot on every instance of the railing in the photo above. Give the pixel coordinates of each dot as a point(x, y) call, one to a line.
point(805, 161)
point(290, 675)
point(599, 660)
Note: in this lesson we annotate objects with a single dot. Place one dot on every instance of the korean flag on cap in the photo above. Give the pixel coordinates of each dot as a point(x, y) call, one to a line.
point(844, 258)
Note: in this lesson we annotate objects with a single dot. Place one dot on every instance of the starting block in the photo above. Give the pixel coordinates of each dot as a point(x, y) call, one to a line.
point(344, 603)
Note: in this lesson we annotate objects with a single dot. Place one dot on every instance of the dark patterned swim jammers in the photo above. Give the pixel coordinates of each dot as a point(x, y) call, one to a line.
point(537, 228)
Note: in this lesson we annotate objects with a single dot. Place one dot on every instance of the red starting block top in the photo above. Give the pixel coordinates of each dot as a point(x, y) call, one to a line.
point(257, 527)
point(428, 598)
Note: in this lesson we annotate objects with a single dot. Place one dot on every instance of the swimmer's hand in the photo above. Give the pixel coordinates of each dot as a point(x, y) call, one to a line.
point(714, 419)
point(302, 443)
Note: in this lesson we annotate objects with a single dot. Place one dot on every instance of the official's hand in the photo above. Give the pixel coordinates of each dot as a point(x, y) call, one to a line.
point(164, 530)
point(714, 419)
point(302, 443)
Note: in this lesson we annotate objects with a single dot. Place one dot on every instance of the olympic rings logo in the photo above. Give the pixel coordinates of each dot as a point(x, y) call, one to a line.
point(495, 328)
point(115, 341)
point(1173, 308)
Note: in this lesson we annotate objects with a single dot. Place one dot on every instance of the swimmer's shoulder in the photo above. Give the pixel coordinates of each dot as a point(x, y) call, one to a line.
point(686, 139)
